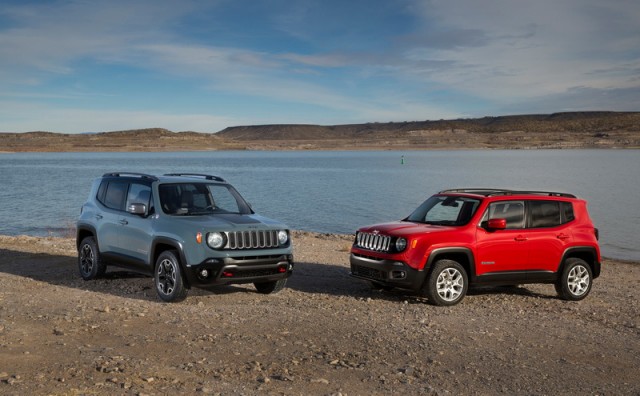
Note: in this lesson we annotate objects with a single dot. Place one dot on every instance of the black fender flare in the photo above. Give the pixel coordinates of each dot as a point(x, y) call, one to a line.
point(176, 245)
point(587, 253)
point(86, 229)
point(470, 265)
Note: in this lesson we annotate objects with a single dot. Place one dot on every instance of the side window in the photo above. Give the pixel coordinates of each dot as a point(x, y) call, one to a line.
point(512, 211)
point(139, 193)
point(544, 213)
point(567, 212)
point(115, 195)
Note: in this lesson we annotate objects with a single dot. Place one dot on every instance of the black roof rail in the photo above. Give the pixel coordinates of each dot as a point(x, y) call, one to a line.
point(208, 177)
point(489, 192)
point(123, 174)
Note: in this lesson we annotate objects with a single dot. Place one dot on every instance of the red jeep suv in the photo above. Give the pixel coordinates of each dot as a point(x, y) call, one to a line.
point(465, 237)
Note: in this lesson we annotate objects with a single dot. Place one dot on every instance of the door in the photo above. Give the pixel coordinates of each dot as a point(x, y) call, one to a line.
point(136, 230)
point(502, 250)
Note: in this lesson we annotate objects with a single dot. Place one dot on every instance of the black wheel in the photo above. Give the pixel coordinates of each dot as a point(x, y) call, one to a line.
point(270, 287)
point(168, 278)
point(575, 281)
point(447, 283)
point(90, 261)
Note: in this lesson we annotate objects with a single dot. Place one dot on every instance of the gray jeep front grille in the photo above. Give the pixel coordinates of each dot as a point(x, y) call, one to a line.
point(260, 239)
point(376, 242)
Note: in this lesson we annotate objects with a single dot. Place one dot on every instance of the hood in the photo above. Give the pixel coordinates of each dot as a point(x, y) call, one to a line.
point(405, 228)
point(231, 222)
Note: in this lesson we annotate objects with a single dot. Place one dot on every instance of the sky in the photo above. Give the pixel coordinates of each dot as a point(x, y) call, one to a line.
point(78, 66)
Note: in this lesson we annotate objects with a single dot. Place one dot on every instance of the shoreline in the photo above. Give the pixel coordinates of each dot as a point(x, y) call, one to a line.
point(336, 237)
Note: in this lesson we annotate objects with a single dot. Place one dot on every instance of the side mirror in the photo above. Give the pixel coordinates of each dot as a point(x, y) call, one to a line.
point(497, 224)
point(137, 209)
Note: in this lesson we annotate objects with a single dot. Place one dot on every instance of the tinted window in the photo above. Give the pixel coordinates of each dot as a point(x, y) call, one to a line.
point(115, 195)
point(511, 211)
point(567, 212)
point(544, 213)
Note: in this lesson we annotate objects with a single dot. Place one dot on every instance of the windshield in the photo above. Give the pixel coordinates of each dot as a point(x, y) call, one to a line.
point(192, 199)
point(445, 210)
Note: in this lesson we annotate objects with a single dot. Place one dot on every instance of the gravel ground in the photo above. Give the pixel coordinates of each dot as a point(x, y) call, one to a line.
point(325, 334)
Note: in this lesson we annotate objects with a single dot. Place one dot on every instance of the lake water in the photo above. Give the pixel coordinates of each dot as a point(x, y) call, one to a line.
point(335, 192)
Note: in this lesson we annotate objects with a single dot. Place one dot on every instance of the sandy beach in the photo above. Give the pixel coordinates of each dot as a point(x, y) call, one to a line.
point(325, 334)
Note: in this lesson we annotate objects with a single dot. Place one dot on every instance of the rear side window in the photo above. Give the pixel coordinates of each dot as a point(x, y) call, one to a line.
point(115, 194)
point(567, 212)
point(550, 213)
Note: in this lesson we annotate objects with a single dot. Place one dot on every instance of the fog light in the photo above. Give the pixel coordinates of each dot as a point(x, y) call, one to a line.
point(204, 273)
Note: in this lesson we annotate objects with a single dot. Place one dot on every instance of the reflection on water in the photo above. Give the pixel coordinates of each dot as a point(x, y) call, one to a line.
point(335, 191)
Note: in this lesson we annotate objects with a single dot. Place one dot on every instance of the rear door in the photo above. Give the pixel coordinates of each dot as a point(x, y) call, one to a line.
point(549, 233)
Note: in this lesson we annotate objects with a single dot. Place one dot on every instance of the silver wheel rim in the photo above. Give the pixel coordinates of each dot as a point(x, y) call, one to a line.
point(86, 259)
point(166, 276)
point(578, 280)
point(450, 284)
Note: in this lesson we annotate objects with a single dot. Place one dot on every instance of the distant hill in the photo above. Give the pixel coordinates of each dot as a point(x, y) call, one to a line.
point(558, 130)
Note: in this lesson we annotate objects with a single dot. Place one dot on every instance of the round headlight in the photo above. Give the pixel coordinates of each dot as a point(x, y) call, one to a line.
point(215, 240)
point(401, 244)
point(283, 237)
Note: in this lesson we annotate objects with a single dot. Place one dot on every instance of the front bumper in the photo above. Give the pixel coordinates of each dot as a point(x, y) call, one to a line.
point(248, 269)
point(386, 272)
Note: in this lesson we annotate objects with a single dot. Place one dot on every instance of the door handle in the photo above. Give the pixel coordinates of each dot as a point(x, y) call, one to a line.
point(520, 238)
point(563, 236)
point(99, 217)
point(124, 222)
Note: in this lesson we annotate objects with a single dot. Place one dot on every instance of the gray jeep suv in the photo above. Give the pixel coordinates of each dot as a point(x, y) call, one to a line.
point(184, 230)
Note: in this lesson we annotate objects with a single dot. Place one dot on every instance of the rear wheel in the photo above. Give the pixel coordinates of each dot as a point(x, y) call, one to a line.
point(447, 283)
point(90, 261)
point(575, 282)
point(270, 287)
point(168, 278)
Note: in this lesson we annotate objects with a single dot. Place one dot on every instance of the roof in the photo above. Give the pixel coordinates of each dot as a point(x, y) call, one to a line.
point(184, 177)
point(491, 192)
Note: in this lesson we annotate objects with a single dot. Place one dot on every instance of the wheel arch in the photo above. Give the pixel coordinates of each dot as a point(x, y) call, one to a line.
point(462, 255)
point(86, 231)
point(586, 253)
point(163, 244)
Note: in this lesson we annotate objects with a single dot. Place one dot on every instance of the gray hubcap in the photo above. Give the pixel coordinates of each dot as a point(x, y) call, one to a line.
point(450, 284)
point(578, 280)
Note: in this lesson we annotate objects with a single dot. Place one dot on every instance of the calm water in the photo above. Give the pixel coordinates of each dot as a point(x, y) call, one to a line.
point(335, 192)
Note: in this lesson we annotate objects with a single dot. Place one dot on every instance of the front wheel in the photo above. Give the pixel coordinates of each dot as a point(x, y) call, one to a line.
point(575, 282)
point(447, 283)
point(90, 261)
point(168, 278)
point(270, 287)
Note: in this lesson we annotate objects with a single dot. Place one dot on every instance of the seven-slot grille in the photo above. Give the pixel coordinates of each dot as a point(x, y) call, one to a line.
point(377, 242)
point(252, 239)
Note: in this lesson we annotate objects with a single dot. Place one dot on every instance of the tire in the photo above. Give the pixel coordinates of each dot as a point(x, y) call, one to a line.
point(270, 287)
point(575, 281)
point(168, 278)
point(447, 283)
point(90, 263)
